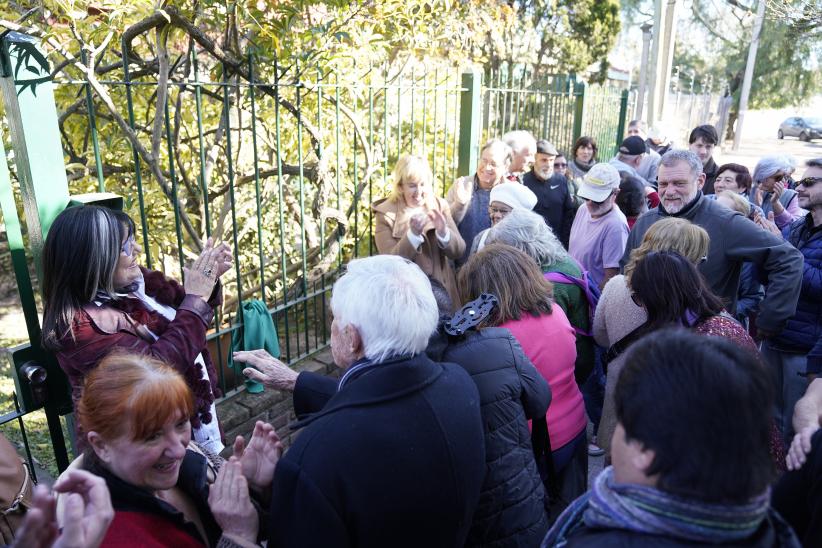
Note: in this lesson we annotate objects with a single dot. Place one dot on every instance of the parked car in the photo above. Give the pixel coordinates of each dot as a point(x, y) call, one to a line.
point(806, 128)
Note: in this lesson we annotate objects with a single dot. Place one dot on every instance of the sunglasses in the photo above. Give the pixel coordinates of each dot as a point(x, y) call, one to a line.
point(128, 246)
point(560, 165)
point(808, 182)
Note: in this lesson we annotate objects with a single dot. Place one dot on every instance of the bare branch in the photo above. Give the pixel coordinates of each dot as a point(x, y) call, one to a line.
point(162, 92)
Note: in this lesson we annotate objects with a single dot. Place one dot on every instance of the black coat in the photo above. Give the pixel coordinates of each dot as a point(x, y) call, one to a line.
point(772, 533)
point(511, 509)
point(554, 203)
point(395, 458)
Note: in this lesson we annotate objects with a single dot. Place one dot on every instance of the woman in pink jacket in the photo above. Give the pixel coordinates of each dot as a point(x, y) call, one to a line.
point(526, 308)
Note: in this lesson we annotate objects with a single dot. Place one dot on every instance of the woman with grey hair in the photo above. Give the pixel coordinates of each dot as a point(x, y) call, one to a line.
point(771, 193)
point(527, 231)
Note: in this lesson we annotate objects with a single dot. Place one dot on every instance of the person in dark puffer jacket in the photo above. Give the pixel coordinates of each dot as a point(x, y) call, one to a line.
point(796, 352)
point(511, 509)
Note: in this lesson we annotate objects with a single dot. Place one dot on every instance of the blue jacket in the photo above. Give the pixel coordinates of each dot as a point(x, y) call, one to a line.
point(803, 331)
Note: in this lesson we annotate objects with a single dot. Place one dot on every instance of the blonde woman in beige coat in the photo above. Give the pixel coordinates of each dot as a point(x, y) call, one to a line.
point(415, 224)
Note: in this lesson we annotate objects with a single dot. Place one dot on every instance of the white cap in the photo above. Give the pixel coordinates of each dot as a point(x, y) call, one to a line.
point(514, 195)
point(599, 182)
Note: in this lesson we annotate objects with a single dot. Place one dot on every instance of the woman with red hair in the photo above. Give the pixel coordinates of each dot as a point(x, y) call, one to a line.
point(166, 491)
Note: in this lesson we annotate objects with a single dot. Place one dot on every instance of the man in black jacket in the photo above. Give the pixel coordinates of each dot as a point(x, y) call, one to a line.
point(734, 240)
point(554, 201)
point(393, 454)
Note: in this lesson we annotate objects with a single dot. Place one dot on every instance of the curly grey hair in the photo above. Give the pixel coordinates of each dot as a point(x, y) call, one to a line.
point(670, 158)
point(528, 232)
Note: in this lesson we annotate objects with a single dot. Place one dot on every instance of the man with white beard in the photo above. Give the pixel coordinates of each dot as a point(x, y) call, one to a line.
point(554, 200)
point(600, 230)
point(734, 240)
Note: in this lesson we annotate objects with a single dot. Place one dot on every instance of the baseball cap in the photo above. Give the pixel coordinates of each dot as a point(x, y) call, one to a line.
point(599, 182)
point(633, 146)
point(514, 195)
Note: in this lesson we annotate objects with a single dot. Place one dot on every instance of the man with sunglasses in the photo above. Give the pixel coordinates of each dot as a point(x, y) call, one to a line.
point(796, 353)
point(554, 200)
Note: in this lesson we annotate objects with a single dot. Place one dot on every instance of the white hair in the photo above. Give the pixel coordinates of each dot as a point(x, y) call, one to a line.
point(388, 299)
point(519, 140)
point(770, 166)
point(528, 232)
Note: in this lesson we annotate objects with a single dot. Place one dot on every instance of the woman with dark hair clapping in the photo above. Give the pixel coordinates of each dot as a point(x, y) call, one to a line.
point(97, 298)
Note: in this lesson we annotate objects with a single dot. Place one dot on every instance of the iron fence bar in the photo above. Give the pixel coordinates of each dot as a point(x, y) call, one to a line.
point(302, 205)
point(413, 81)
point(92, 121)
point(136, 158)
point(256, 161)
point(174, 193)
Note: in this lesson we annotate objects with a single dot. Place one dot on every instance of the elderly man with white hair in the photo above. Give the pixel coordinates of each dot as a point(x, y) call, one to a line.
point(734, 240)
point(393, 454)
point(523, 148)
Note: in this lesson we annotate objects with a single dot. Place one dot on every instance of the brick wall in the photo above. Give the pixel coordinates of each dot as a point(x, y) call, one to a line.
point(239, 412)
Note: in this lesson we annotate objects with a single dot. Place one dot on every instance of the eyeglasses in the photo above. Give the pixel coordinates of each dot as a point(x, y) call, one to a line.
point(494, 210)
point(808, 182)
point(128, 246)
point(560, 165)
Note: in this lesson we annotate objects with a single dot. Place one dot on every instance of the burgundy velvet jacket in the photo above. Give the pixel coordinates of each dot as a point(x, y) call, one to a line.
point(121, 325)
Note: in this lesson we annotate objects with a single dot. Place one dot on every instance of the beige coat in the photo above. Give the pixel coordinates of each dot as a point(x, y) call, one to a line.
point(392, 222)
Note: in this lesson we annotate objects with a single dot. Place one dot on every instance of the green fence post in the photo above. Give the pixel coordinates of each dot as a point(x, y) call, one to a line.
point(579, 108)
point(623, 113)
point(470, 122)
point(28, 98)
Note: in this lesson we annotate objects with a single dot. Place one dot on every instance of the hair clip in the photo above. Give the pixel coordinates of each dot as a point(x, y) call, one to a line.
point(470, 315)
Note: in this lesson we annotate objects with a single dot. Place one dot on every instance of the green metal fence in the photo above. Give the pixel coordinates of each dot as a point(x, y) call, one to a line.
point(282, 162)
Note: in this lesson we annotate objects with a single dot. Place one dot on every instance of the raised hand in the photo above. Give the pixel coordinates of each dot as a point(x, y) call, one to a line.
point(267, 369)
point(440, 223)
point(417, 223)
point(778, 189)
point(88, 511)
point(259, 458)
point(230, 503)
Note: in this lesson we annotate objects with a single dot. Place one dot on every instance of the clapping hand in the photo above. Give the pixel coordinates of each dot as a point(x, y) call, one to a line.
point(767, 224)
point(778, 189)
point(203, 273)
point(230, 504)
point(259, 459)
point(417, 223)
point(88, 513)
point(440, 224)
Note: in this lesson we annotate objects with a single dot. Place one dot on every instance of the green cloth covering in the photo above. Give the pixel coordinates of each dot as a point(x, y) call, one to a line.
point(257, 333)
point(572, 300)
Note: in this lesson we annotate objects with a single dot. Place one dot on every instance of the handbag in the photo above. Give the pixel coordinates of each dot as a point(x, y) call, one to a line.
point(16, 485)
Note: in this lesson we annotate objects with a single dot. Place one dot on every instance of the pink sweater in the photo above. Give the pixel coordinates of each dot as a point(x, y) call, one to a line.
point(550, 344)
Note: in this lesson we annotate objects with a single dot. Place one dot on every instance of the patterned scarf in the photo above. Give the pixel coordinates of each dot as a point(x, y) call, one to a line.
point(642, 509)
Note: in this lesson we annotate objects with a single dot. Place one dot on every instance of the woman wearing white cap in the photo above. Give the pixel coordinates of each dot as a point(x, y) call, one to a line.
point(505, 198)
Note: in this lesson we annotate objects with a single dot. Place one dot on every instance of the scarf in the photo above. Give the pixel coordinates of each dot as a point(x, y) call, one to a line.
point(582, 166)
point(647, 510)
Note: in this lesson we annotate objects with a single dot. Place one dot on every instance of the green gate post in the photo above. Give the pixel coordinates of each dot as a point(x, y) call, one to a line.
point(470, 122)
point(579, 108)
point(623, 113)
point(28, 97)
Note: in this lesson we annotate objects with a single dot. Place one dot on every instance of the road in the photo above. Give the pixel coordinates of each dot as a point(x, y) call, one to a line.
point(752, 149)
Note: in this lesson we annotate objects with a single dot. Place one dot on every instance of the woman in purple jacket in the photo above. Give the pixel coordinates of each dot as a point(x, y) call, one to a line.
point(97, 299)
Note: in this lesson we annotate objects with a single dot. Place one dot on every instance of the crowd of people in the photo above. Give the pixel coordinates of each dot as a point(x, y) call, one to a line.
point(653, 307)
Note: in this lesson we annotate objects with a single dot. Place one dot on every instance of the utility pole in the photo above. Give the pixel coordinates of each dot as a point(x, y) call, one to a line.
point(667, 56)
point(653, 66)
point(749, 69)
point(643, 69)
